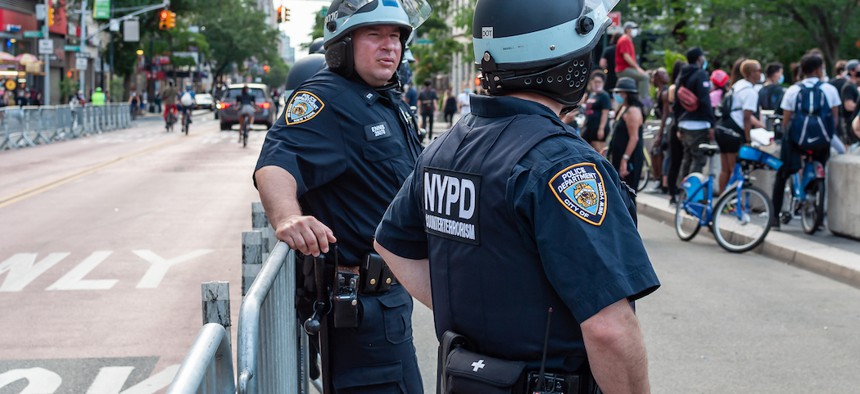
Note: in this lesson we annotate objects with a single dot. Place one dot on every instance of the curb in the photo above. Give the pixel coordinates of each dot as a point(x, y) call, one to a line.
point(803, 252)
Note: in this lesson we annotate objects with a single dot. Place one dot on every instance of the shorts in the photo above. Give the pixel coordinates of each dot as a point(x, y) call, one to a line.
point(728, 139)
point(247, 110)
point(591, 135)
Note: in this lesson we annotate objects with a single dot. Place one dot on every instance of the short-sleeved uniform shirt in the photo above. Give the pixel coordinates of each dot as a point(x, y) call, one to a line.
point(349, 147)
point(531, 246)
point(624, 45)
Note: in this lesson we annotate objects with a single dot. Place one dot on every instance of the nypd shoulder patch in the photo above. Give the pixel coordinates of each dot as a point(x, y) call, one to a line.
point(303, 107)
point(580, 189)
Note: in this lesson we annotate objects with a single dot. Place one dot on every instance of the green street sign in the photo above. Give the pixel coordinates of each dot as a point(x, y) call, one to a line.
point(72, 48)
point(102, 9)
point(32, 34)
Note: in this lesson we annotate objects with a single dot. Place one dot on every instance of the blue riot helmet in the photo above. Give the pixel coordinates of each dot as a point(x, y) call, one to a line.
point(316, 46)
point(344, 16)
point(404, 71)
point(541, 46)
point(303, 69)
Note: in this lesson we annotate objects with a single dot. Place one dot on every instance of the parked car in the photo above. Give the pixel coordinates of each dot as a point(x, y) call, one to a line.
point(204, 101)
point(229, 114)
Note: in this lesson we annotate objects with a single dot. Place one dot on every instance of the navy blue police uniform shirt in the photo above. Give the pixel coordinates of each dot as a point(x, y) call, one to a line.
point(549, 250)
point(349, 147)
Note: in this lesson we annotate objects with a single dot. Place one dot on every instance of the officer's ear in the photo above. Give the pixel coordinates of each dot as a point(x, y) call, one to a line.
point(339, 57)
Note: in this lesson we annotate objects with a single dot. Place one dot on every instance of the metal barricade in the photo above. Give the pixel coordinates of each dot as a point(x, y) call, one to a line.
point(208, 366)
point(22, 127)
point(268, 337)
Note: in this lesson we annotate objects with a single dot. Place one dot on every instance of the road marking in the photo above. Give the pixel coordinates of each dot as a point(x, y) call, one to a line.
point(68, 178)
point(23, 269)
point(110, 380)
point(39, 380)
point(159, 267)
point(74, 279)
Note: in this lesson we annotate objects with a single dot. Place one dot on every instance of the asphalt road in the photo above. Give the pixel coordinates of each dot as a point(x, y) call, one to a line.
point(105, 241)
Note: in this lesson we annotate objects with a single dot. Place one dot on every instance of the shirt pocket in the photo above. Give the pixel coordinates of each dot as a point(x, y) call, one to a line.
point(381, 149)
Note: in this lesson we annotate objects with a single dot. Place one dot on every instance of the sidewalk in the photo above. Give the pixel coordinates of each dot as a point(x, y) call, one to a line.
point(823, 253)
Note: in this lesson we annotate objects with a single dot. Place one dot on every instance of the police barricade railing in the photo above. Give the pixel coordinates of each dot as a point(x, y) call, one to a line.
point(34, 125)
point(268, 337)
point(208, 366)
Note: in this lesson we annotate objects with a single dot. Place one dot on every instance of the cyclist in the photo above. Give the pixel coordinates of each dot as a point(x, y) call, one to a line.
point(246, 107)
point(186, 101)
point(168, 97)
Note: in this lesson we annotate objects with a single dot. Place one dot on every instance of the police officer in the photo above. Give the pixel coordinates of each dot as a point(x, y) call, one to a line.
point(331, 165)
point(510, 214)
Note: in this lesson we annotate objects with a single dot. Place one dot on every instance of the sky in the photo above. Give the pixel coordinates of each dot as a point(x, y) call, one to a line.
point(302, 13)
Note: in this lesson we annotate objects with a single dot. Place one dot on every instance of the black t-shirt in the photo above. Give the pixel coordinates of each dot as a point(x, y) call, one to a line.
point(849, 92)
point(426, 99)
point(597, 102)
point(770, 96)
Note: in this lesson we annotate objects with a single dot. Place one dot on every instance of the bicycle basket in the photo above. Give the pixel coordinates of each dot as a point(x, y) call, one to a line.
point(754, 155)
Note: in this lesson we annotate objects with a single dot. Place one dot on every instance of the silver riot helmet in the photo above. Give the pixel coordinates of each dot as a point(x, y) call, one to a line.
point(542, 46)
point(344, 16)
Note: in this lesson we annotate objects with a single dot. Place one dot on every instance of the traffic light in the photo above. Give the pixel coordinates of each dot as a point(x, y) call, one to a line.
point(50, 16)
point(162, 19)
point(280, 17)
point(286, 14)
point(266, 68)
point(171, 19)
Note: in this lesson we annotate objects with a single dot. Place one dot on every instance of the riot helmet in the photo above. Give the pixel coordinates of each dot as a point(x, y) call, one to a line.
point(303, 69)
point(344, 16)
point(540, 46)
point(316, 46)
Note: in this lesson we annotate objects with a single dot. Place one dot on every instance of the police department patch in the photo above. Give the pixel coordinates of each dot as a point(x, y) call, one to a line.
point(580, 189)
point(303, 107)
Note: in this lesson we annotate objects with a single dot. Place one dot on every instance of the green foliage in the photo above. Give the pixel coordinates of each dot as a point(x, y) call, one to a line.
point(68, 86)
point(772, 30)
point(435, 45)
point(278, 71)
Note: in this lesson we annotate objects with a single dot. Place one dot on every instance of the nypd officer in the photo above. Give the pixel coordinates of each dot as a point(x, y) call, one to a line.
point(331, 165)
point(525, 234)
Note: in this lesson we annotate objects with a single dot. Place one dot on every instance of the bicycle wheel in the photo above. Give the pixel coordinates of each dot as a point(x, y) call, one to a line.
point(644, 177)
point(812, 210)
point(742, 221)
point(245, 135)
point(686, 224)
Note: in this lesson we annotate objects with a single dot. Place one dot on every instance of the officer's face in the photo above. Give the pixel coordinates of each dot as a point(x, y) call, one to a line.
point(377, 53)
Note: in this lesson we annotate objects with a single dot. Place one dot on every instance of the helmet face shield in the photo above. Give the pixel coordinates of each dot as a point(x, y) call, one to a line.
point(348, 14)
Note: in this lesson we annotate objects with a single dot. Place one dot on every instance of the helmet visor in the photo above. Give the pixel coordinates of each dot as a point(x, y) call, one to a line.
point(596, 4)
point(417, 10)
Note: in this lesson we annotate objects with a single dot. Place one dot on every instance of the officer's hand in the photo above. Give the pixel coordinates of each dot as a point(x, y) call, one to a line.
point(305, 234)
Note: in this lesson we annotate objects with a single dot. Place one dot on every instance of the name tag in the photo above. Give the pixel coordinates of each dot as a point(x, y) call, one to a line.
point(377, 131)
point(451, 205)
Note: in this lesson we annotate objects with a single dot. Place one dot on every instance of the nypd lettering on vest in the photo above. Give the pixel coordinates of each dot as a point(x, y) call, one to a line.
point(303, 107)
point(580, 189)
point(451, 205)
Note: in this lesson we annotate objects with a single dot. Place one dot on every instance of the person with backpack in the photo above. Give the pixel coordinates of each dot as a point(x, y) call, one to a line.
point(810, 109)
point(849, 95)
point(427, 105)
point(693, 111)
point(770, 95)
point(738, 115)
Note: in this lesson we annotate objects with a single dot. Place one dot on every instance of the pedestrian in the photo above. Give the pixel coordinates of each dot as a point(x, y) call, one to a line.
point(675, 153)
point(659, 145)
point(410, 96)
point(626, 64)
point(450, 108)
point(770, 95)
point(840, 75)
point(464, 103)
point(812, 66)
point(597, 109)
point(168, 96)
point(322, 183)
point(719, 87)
point(98, 98)
point(693, 111)
point(524, 233)
point(625, 149)
point(607, 62)
point(850, 96)
point(133, 104)
point(739, 115)
point(427, 104)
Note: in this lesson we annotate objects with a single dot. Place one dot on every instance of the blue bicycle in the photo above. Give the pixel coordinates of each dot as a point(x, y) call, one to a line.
point(807, 196)
point(740, 220)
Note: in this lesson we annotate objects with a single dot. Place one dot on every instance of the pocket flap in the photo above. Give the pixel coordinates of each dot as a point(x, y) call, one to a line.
point(393, 299)
point(493, 371)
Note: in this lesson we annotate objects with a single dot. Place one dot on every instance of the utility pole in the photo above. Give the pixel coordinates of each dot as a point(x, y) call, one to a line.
point(82, 75)
point(47, 35)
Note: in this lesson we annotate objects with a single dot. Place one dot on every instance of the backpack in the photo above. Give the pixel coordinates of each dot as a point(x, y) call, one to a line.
point(727, 105)
point(186, 99)
point(812, 123)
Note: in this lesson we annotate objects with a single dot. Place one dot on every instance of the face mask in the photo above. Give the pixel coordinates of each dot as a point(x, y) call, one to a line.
point(618, 98)
point(705, 65)
point(761, 78)
point(781, 79)
point(634, 33)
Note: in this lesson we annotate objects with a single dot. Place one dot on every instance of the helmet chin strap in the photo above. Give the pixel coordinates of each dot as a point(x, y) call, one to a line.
point(564, 82)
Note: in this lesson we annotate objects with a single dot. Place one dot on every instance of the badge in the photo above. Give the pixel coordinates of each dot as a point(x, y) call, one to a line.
point(303, 107)
point(580, 189)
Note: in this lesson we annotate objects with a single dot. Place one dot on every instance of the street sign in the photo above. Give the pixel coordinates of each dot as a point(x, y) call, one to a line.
point(81, 63)
point(114, 25)
point(72, 48)
point(40, 12)
point(46, 46)
point(102, 8)
point(131, 30)
point(33, 34)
